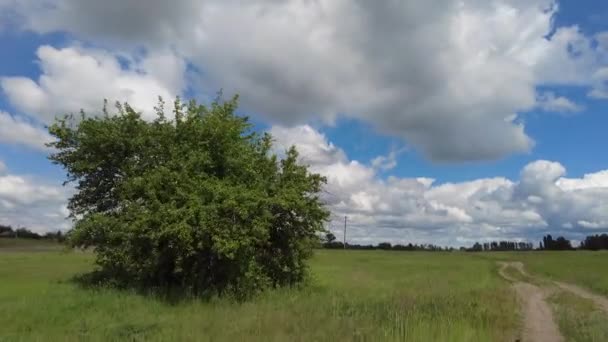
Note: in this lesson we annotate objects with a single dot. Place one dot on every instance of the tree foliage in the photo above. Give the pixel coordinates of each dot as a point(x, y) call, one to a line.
point(559, 244)
point(198, 201)
point(595, 242)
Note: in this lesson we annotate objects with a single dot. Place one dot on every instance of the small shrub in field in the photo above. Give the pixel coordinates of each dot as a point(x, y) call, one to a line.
point(197, 202)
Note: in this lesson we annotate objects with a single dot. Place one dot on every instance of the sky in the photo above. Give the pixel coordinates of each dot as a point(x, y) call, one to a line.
point(442, 122)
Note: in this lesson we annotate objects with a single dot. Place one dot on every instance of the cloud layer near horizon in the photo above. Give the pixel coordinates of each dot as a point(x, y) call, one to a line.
point(33, 203)
point(419, 210)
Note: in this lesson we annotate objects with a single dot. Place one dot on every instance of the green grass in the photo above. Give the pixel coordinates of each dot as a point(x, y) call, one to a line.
point(579, 319)
point(28, 245)
point(354, 295)
point(584, 268)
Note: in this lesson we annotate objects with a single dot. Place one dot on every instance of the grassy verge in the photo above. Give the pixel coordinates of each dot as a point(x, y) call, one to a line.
point(28, 245)
point(354, 295)
point(578, 318)
point(584, 268)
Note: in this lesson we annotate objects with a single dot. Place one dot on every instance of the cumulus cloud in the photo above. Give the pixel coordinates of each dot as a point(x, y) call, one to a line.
point(16, 130)
point(388, 162)
point(448, 77)
point(589, 181)
point(29, 202)
point(600, 79)
point(451, 78)
point(75, 78)
point(549, 102)
point(418, 210)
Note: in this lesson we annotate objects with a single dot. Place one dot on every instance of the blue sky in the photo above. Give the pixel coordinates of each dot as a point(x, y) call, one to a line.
point(376, 96)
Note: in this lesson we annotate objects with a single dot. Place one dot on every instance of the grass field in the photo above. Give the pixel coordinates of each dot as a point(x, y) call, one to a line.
point(354, 295)
point(584, 268)
point(579, 319)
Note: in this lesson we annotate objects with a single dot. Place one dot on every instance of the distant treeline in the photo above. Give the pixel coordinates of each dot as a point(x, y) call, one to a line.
point(502, 246)
point(559, 244)
point(595, 242)
point(24, 233)
point(329, 241)
point(592, 242)
point(388, 247)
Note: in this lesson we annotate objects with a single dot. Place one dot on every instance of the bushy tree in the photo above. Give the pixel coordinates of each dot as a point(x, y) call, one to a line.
point(559, 244)
point(197, 202)
point(330, 237)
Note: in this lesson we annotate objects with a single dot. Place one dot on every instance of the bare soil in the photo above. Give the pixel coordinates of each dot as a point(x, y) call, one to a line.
point(539, 325)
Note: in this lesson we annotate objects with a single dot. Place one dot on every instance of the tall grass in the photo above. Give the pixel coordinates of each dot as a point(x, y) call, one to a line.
point(353, 295)
point(585, 268)
point(579, 319)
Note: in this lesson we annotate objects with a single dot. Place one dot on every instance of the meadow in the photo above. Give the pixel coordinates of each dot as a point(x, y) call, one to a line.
point(585, 268)
point(351, 296)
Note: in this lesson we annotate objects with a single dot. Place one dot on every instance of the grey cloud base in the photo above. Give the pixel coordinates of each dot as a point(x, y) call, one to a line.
point(448, 77)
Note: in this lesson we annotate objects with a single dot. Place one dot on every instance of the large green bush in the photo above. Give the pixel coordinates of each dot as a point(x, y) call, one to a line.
point(198, 202)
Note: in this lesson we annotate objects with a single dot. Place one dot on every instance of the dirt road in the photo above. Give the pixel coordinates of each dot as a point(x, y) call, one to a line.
point(539, 325)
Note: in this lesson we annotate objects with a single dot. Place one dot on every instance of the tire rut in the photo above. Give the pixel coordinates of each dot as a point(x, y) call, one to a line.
point(539, 325)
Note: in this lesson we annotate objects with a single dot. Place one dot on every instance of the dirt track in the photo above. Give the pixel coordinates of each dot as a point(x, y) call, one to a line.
point(539, 325)
point(599, 301)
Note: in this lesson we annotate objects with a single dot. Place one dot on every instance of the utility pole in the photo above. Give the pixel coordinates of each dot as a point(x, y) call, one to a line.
point(345, 232)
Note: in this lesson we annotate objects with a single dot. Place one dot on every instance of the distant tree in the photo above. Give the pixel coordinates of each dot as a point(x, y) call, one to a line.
point(595, 242)
point(57, 236)
point(477, 247)
point(6, 230)
point(384, 245)
point(337, 245)
point(548, 242)
point(562, 244)
point(399, 247)
point(330, 238)
point(558, 244)
point(198, 201)
point(24, 233)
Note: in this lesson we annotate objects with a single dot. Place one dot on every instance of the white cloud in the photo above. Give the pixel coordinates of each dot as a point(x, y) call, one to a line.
point(448, 77)
point(388, 162)
point(549, 102)
point(29, 202)
point(600, 79)
point(451, 78)
point(418, 210)
point(589, 181)
point(16, 130)
point(76, 78)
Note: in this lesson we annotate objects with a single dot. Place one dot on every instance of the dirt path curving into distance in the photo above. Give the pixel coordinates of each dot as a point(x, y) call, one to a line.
point(600, 302)
point(539, 325)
